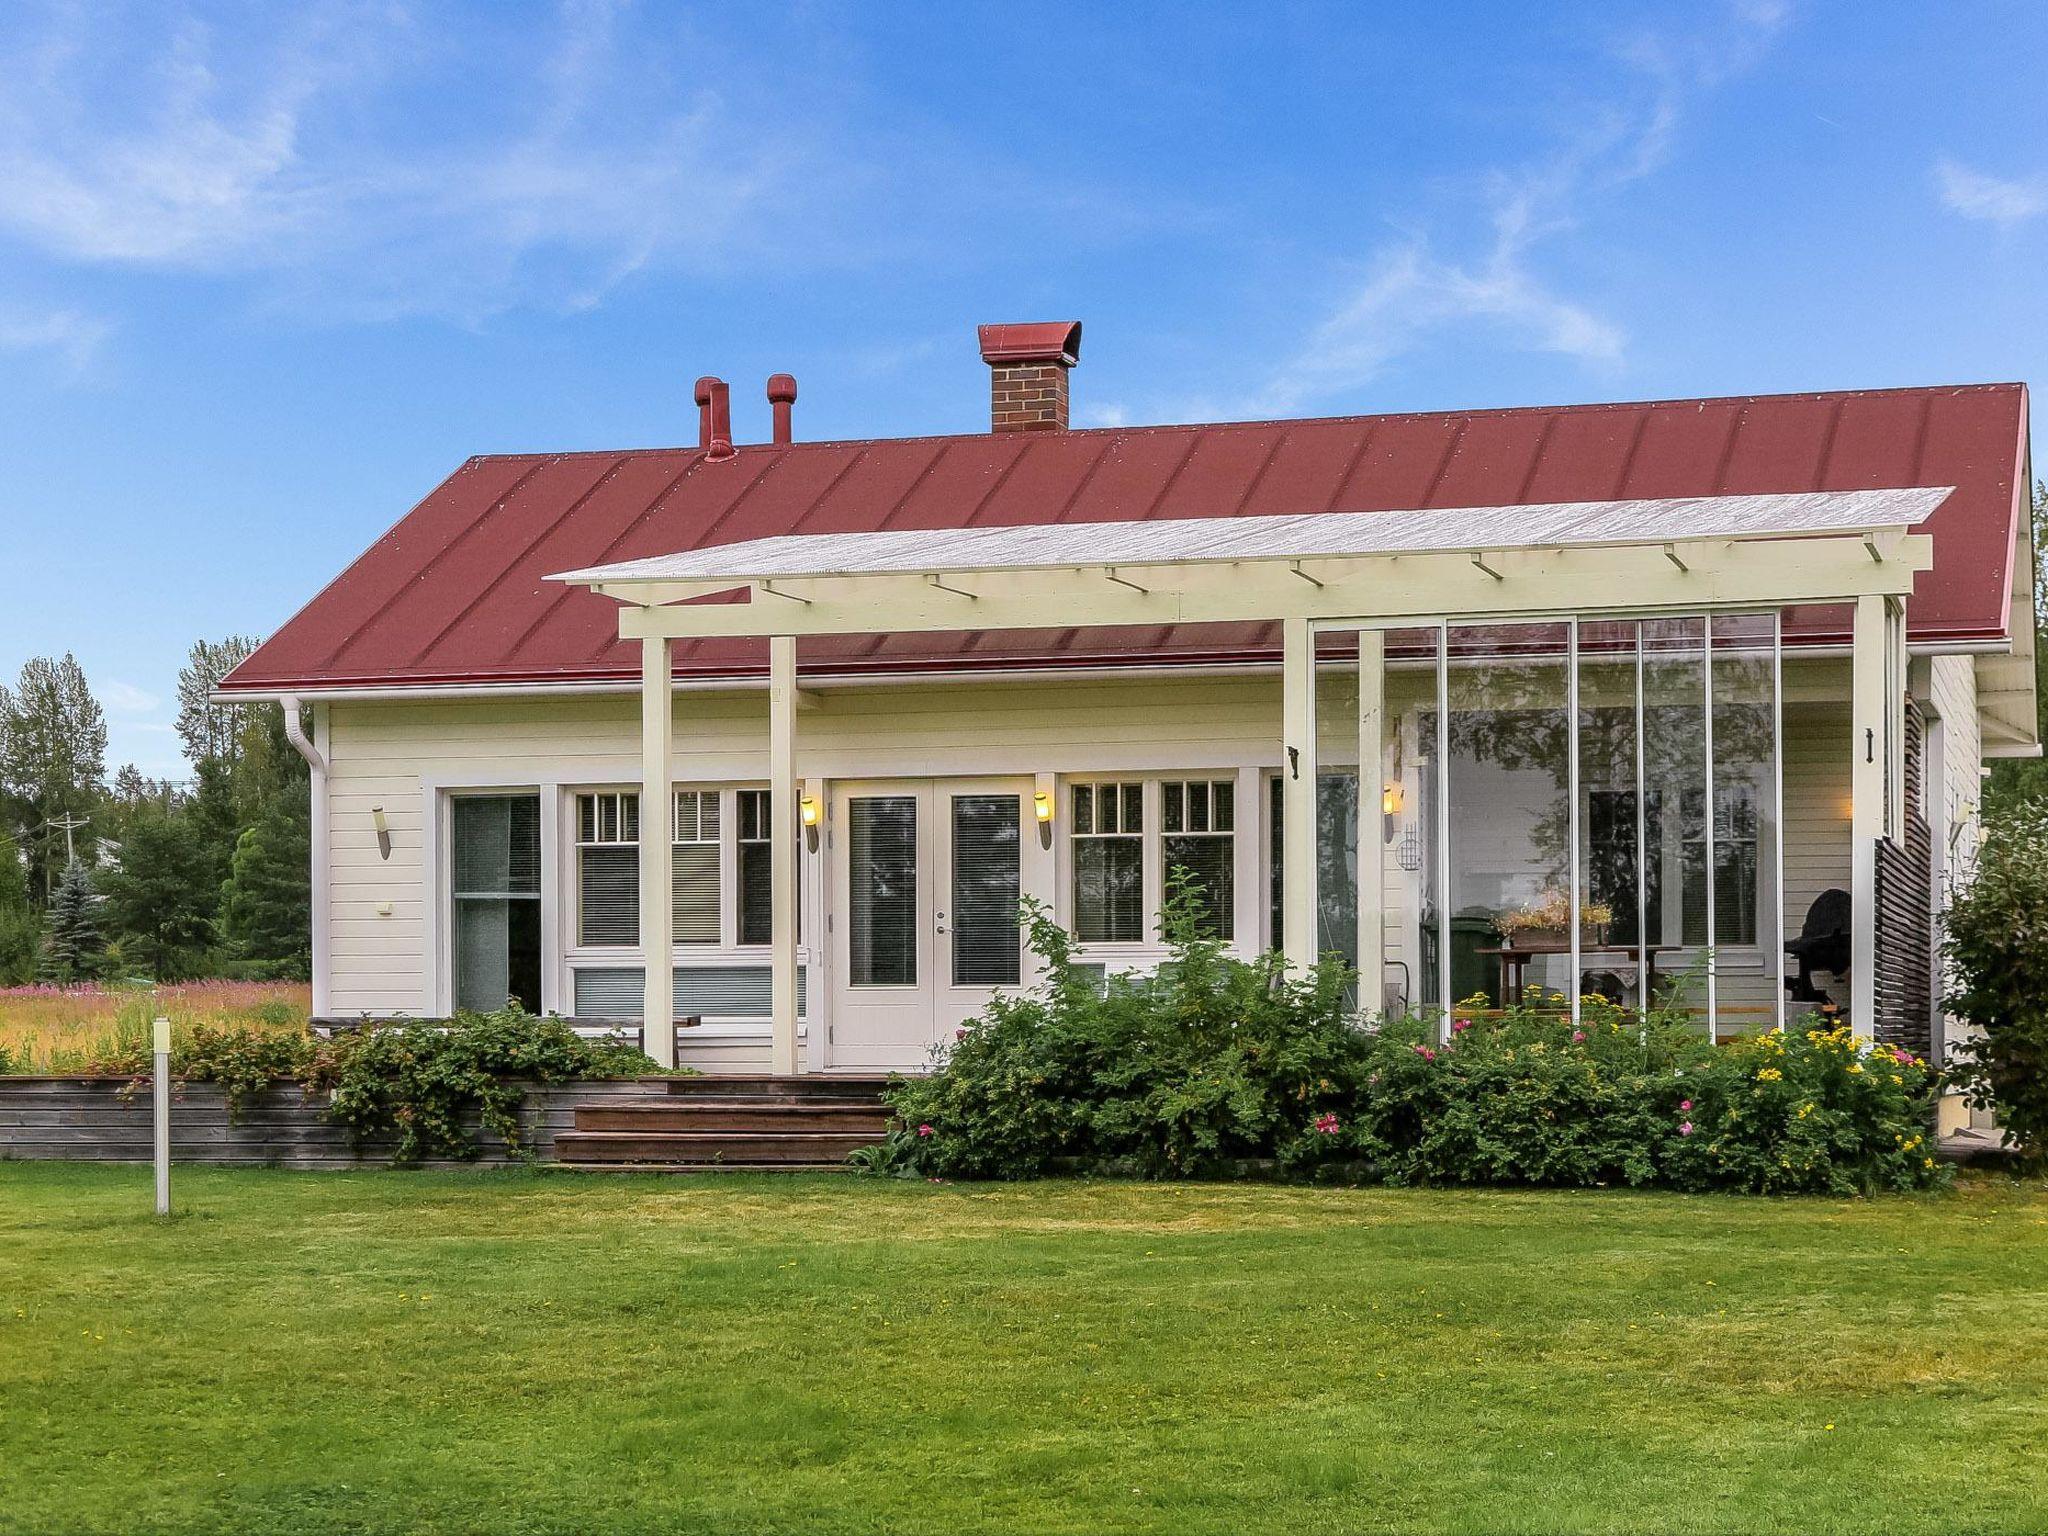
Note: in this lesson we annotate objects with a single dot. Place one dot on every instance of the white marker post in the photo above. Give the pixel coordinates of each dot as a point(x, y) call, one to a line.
point(163, 1117)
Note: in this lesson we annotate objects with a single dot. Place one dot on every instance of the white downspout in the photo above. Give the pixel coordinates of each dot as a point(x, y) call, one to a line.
point(295, 733)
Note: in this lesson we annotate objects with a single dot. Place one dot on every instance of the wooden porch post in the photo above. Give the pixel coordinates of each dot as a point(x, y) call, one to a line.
point(782, 1054)
point(1298, 793)
point(657, 853)
point(1868, 745)
point(1372, 702)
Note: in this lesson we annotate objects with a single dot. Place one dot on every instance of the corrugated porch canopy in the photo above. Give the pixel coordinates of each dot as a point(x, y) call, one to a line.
point(1237, 540)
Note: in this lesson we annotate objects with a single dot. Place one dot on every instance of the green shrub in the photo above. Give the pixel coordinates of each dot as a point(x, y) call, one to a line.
point(1216, 1066)
point(1997, 951)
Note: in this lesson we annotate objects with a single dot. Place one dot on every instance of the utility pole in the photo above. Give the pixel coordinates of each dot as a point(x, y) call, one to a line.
point(70, 824)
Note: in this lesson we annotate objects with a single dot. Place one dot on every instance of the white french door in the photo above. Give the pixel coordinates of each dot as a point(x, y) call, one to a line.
point(926, 879)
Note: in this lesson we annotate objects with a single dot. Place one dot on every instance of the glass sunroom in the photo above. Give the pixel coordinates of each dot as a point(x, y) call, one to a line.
point(1526, 754)
point(1553, 809)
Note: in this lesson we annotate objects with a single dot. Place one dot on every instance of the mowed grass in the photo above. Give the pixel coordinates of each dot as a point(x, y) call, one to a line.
point(528, 1352)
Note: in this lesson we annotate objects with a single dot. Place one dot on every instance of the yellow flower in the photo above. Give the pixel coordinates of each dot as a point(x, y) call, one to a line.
point(1857, 1068)
point(1770, 1075)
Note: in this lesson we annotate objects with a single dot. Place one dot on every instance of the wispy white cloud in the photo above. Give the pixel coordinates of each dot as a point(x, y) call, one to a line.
point(1422, 285)
point(287, 156)
point(1975, 195)
point(127, 699)
point(72, 338)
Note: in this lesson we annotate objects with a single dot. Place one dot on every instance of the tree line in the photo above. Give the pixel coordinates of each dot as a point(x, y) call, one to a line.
point(134, 877)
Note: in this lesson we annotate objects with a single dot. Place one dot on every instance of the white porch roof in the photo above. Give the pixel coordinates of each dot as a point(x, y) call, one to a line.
point(1304, 536)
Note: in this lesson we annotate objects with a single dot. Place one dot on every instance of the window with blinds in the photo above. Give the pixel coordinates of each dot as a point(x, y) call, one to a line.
point(608, 868)
point(987, 885)
point(1107, 840)
point(494, 891)
point(1197, 822)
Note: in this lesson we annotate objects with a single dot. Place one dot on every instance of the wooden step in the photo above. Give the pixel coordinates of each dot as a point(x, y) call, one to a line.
point(660, 1115)
point(734, 1149)
point(774, 1089)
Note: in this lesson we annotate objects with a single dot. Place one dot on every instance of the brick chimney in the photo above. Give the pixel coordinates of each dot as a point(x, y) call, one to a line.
point(1028, 374)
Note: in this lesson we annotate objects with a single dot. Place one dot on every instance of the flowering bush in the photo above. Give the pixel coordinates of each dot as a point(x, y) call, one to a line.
point(1216, 1065)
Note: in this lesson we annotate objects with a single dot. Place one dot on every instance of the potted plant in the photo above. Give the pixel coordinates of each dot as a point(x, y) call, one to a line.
point(1544, 923)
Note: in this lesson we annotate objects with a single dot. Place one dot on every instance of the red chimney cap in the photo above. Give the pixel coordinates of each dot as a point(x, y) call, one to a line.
point(781, 387)
point(1037, 341)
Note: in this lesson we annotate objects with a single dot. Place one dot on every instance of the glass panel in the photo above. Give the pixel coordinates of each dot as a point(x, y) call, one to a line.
point(1674, 802)
point(756, 871)
point(696, 893)
point(1407, 801)
point(1611, 827)
point(1108, 850)
point(882, 925)
point(495, 872)
point(608, 895)
point(1510, 914)
point(1745, 895)
point(987, 886)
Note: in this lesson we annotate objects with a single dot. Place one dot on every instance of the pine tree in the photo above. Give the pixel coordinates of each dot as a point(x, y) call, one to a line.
point(20, 934)
point(161, 896)
point(53, 751)
point(73, 948)
point(267, 906)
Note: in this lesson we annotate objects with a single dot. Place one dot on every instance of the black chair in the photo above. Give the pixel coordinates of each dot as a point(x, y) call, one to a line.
point(1823, 944)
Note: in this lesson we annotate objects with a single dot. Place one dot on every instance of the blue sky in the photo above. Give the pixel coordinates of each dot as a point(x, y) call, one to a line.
point(269, 271)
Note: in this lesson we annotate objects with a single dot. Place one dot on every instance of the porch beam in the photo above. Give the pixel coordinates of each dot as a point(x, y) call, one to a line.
point(1867, 751)
point(782, 855)
point(1372, 819)
point(657, 853)
point(1298, 794)
point(1636, 579)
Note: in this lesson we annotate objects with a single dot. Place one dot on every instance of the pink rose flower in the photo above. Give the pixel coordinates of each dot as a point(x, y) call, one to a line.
point(924, 1130)
point(1685, 1104)
point(1578, 1037)
point(1427, 1053)
point(1326, 1125)
point(1685, 1128)
point(1459, 1026)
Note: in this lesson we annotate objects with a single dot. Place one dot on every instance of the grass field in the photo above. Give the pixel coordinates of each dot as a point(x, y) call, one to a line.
point(528, 1352)
point(82, 1029)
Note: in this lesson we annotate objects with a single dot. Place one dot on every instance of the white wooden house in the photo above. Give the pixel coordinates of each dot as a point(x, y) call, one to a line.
point(1677, 667)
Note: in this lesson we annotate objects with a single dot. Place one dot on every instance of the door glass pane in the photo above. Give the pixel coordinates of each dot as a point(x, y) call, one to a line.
point(986, 889)
point(882, 882)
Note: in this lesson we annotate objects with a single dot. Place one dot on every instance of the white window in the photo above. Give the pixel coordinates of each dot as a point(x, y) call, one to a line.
point(608, 868)
point(1108, 847)
point(1197, 826)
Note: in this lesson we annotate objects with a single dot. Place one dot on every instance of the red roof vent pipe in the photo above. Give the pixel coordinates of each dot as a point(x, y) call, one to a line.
point(781, 396)
point(714, 417)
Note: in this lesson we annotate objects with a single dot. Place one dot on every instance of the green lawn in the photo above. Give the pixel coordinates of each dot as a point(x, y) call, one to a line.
point(519, 1352)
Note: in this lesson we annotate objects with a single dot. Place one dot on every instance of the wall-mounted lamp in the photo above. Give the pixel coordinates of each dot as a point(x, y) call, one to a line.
point(383, 831)
point(1390, 800)
point(1041, 807)
point(807, 810)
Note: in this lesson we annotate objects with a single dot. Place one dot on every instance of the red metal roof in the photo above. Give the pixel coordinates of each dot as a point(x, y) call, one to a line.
point(454, 594)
